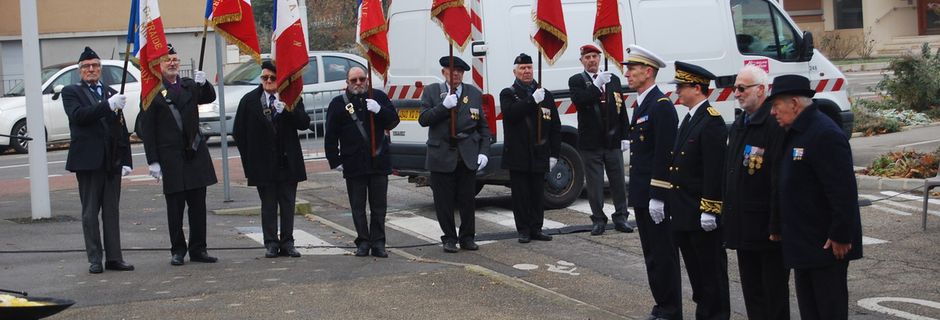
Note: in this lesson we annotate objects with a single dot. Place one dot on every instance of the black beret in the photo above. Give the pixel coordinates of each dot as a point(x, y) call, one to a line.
point(269, 65)
point(171, 49)
point(87, 55)
point(458, 63)
point(523, 59)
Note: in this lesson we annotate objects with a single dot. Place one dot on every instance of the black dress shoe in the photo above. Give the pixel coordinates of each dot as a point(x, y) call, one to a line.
point(541, 236)
point(118, 265)
point(203, 257)
point(623, 227)
point(271, 252)
point(379, 251)
point(176, 260)
point(362, 250)
point(290, 251)
point(95, 268)
point(450, 247)
point(598, 228)
point(524, 238)
point(469, 245)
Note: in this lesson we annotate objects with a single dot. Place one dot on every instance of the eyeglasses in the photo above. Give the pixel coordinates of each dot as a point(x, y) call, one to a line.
point(268, 78)
point(90, 66)
point(359, 79)
point(174, 60)
point(742, 88)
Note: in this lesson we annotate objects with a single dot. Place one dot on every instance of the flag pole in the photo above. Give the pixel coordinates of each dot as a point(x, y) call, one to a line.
point(453, 90)
point(371, 115)
point(538, 135)
point(202, 49)
point(606, 67)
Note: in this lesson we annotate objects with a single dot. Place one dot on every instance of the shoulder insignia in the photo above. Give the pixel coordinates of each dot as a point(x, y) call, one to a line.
point(662, 99)
point(713, 112)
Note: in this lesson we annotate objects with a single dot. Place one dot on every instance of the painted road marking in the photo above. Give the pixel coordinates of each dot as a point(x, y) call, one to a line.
point(873, 304)
point(415, 225)
point(870, 241)
point(584, 206)
point(917, 143)
point(302, 240)
point(920, 201)
point(505, 218)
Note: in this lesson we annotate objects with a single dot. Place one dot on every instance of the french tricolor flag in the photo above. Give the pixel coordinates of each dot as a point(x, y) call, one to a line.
point(289, 50)
point(145, 31)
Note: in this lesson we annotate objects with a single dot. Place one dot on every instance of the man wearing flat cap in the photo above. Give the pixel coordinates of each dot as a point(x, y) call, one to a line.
point(265, 132)
point(602, 138)
point(694, 201)
point(458, 145)
point(100, 155)
point(652, 133)
point(532, 133)
point(818, 201)
point(178, 155)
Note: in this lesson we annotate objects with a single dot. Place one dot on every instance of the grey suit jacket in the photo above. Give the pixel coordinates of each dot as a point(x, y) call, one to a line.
point(473, 132)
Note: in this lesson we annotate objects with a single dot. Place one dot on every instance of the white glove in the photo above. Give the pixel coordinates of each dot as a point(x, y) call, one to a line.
point(709, 222)
point(602, 79)
point(373, 106)
point(624, 145)
point(482, 160)
point(117, 102)
point(125, 170)
point(657, 211)
point(339, 168)
point(552, 161)
point(200, 77)
point(450, 101)
point(155, 171)
point(539, 95)
point(279, 106)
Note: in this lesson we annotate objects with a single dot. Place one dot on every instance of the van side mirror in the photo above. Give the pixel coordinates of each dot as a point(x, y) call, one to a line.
point(806, 46)
point(56, 91)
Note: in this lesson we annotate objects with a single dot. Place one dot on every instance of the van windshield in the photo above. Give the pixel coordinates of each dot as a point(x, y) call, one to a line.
point(761, 30)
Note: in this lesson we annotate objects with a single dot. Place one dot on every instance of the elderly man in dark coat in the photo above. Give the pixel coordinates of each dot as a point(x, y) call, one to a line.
point(822, 229)
point(265, 131)
point(178, 155)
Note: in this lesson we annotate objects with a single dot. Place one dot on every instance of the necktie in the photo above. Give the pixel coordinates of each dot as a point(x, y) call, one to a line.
point(685, 121)
point(747, 119)
point(271, 101)
point(96, 89)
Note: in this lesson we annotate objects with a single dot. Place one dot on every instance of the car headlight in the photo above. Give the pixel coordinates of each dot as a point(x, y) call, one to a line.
point(209, 108)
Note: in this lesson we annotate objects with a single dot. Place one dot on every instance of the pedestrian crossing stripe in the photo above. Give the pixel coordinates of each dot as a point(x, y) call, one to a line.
point(908, 209)
point(306, 243)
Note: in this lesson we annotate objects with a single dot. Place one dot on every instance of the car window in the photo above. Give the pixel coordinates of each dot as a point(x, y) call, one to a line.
point(67, 78)
point(311, 76)
point(249, 73)
point(19, 91)
point(334, 68)
point(761, 30)
point(112, 75)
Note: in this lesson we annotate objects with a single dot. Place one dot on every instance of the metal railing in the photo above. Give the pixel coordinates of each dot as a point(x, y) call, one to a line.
point(316, 103)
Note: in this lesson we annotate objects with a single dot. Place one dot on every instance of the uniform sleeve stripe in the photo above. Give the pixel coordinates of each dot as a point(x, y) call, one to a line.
point(710, 206)
point(660, 184)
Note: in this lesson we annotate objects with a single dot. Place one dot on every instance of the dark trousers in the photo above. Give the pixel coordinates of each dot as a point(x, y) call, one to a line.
point(281, 194)
point(596, 162)
point(822, 293)
point(373, 187)
point(765, 283)
point(527, 189)
point(706, 263)
point(662, 264)
point(450, 189)
point(100, 192)
point(195, 199)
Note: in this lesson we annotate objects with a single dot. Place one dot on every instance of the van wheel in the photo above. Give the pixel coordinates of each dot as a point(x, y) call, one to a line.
point(563, 183)
point(20, 145)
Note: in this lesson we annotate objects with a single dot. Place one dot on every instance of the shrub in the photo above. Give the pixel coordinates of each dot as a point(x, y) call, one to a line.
point(915, 84)
point(836, 46)
point(905, 164)
point(869, 122)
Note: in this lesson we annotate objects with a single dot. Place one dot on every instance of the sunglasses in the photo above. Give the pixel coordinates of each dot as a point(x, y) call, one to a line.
point(268, 78)
point(742, 88)
point(360, 79)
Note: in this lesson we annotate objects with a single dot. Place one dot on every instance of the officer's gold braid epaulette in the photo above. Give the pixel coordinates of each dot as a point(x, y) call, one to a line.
point(713, 112)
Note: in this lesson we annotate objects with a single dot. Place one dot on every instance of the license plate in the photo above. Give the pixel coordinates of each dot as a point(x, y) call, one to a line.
point(409, 114)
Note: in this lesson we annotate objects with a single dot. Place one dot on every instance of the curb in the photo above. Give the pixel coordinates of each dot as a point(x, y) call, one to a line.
point(301, 207)
point(904, 128)
point(888, 184)
point(872, 66)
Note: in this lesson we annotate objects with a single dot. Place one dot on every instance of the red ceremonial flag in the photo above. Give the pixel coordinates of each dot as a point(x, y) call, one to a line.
point(549, 34)
point(289, 51)
point(372, 35)
point(153, 49)
point(234, 20)
point(608, 31)
point(452, 16)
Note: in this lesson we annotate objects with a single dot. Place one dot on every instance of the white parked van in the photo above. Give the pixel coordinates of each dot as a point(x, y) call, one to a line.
point(719, 35)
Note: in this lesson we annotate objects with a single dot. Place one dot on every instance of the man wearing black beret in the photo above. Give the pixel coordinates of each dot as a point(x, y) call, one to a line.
point(458, 144)
point(265, 132)
point(99, 154)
